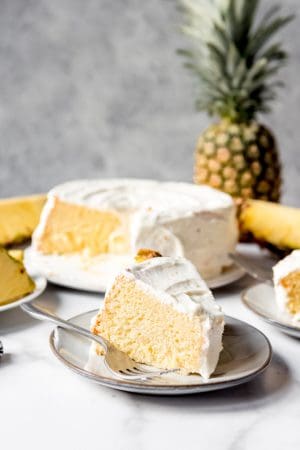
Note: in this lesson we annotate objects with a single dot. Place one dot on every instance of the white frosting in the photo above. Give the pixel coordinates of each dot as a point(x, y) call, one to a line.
point(176, 219)
point(49, 205)
point(168, 199)
point(176, 282)
point(287, 265)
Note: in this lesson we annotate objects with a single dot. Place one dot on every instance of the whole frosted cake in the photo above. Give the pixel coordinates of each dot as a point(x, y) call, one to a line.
point(160, 312)
point(119, 216)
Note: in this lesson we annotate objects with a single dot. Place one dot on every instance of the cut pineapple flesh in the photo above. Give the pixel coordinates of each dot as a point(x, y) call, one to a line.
point(14, 281)
point(18, 218)
point(272, 223)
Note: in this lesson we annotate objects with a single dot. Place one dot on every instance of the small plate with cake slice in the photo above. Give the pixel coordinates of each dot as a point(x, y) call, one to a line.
point(279, 304)
point(16, 285)
point(90, 229)
point(160, 312)
point(246, 353)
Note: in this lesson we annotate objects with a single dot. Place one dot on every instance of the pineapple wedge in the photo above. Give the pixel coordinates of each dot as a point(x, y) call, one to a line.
point(18, 218)
point(14, 280)
point(271, 223)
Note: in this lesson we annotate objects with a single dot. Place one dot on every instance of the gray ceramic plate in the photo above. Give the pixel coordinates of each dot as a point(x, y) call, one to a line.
point(260, 299)
point(40, 286)
point(228, 276)
point(247, 352)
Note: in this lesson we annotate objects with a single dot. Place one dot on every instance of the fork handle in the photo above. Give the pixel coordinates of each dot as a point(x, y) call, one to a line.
point(41, 314)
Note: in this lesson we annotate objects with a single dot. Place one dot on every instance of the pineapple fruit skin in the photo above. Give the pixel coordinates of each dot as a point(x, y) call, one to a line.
point(271, 223)
point(239, 158)
point(19, 216)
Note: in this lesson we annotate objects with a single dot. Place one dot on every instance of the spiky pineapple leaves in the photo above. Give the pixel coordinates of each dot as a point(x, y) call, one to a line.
point(232, 55)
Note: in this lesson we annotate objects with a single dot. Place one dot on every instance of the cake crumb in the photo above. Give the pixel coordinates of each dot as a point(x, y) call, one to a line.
point(146, 253)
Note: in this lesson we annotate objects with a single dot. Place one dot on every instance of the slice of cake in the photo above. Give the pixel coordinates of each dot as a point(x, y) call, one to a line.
point(160, 312)
point(94, 218)
point(287, 285)
point(19, 216)
point(14, 281)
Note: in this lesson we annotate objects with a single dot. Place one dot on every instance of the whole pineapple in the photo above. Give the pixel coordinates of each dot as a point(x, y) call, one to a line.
point(235, 65)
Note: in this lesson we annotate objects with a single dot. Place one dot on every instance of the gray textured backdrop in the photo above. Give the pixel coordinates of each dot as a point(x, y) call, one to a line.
point(92, 88)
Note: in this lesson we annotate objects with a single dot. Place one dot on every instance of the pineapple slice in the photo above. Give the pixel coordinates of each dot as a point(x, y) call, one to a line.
point(271, 223)
point(14, 281)
point(18, 218)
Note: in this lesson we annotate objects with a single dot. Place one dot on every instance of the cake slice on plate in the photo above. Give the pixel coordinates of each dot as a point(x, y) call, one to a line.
point(161, 313)
point(287, 285)
point(15, 283)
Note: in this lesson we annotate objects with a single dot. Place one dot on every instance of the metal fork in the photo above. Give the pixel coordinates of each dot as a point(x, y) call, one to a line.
point(254, 268)
point(117, 362)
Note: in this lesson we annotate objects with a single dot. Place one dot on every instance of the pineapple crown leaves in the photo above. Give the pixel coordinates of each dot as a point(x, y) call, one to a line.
point(232, 55)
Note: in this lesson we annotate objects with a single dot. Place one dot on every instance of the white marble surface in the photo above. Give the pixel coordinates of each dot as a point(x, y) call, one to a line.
point(44, 405)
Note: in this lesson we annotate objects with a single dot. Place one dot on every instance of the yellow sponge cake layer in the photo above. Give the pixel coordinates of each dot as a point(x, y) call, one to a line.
point(74, 228)
point(18, 218)
point(14, 281)
point(147, 330)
